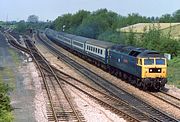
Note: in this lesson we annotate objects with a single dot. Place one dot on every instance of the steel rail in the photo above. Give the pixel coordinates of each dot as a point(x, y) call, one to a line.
point(45, 83)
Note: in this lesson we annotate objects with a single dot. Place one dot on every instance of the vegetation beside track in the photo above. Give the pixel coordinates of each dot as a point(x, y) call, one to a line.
point(5, 108)
point(14, 56)
point(7, 78)
point(174, 71)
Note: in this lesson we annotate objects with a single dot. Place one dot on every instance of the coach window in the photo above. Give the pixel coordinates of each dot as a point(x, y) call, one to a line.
point(101, 51)
point(91, 48)
point(98, 50)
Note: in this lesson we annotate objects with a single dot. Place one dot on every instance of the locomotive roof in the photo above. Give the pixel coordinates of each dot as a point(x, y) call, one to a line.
point(99, 43)
point(123, 48)
point(150, 53)
point(136, 52)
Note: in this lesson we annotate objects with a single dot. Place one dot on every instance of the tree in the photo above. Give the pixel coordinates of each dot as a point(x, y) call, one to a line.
point(169, 45)
point(131, 38)
point(151, 39)
point(33, 19)
point(176, 16)
point(166, 18)
point(112, 36)
point(66, 20)
point(21, 26)
point(79, 17)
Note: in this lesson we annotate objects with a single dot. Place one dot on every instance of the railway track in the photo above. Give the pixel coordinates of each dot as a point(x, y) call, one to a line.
point(118, 106)
point(164, 92)
point(119, 93)
point(112, 103)
point(170, 99)
point(59, 105)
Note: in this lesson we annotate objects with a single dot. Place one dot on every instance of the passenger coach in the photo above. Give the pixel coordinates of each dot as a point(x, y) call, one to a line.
point(98, 50)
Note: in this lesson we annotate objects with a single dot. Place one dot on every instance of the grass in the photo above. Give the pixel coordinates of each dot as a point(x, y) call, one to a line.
point(15, 57)
point(7, 78)
point(165, 27)
point(174, 72)
point(6, 115)
point(5, 109)
point(175, 31)
point(9, 74)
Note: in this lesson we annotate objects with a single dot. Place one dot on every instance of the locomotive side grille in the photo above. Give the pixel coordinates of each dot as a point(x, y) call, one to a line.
point(154, 70)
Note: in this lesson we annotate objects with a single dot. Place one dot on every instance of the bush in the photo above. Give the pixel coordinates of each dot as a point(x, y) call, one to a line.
point(5, 108)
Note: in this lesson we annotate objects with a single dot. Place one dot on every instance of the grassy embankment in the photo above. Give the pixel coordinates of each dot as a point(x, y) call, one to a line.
point(7, 78)
point(174, 71)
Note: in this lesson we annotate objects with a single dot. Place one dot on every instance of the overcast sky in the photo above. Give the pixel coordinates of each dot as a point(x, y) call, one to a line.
point(51, 9)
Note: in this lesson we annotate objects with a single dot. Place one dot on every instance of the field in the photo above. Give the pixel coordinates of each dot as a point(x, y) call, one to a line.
point(175, 31)
point(164, 27)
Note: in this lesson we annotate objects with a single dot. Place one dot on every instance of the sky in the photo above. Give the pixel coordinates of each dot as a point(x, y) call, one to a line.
point(50, 9)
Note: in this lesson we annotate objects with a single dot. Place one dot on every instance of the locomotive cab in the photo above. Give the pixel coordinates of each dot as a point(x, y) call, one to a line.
point(153, 71)
point(153, 67)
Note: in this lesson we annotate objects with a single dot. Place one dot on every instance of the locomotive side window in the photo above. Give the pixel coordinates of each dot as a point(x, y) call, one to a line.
point(139, 62)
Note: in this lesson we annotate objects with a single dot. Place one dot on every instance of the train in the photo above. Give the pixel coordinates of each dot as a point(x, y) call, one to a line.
point(145, 69)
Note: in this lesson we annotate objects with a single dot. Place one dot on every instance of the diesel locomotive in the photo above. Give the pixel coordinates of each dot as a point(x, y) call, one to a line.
point(143, 68)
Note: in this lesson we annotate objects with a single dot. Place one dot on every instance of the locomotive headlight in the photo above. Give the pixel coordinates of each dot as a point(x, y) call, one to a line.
point(150, 70)
point(159, 70)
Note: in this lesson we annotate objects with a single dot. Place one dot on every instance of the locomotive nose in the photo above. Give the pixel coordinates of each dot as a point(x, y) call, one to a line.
point(159, 72)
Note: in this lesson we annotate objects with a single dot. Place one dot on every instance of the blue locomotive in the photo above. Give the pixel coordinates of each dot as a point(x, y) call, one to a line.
point(146, 69)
